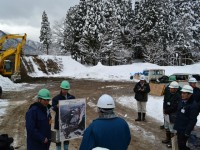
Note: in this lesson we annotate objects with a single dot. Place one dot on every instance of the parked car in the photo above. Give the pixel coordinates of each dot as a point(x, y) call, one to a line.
point(182, 78)
point(163, 79)
point(152, 75)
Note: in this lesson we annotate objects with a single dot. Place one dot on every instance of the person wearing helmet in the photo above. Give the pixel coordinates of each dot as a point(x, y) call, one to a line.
point(167, 93)
point(63, 95)
point(38, 122)
point(107, 131)
point(170, 106)
point(186, 117)
point(141, 90)
point(196, 91)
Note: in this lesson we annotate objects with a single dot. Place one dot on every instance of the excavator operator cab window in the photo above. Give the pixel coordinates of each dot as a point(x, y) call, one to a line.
point(8, 66)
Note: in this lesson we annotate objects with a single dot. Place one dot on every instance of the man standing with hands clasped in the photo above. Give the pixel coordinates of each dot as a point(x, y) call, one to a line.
point(141, 90)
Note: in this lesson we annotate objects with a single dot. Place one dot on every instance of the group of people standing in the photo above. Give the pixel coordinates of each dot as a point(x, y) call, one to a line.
point(38, 119)
point(38, 124)
point(180, 108)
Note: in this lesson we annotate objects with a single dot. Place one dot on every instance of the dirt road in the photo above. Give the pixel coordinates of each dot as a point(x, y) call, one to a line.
point(145, 135)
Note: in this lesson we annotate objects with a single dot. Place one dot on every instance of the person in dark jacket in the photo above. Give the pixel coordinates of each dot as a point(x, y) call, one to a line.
point(38, 120)
point(141, 90)
point(108, 131)
point(63, 95)
point(196, 91)
point(167, 93)
point(170, 106)
point(186, 116)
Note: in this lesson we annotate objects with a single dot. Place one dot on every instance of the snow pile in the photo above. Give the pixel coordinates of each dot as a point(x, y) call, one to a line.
point(73, 69)
point(8, 85)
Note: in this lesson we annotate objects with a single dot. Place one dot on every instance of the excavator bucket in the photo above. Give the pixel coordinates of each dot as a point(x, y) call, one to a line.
point(16, 78)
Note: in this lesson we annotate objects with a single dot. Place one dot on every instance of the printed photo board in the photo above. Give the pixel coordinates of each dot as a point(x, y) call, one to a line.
point(72, 115)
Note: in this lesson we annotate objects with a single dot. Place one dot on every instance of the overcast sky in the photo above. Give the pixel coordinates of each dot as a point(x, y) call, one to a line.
point(25, 16)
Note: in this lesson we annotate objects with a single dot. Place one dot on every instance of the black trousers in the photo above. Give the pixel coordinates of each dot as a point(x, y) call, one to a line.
point(182, 139)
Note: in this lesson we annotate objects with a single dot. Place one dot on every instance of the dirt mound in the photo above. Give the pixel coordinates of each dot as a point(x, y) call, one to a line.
point(49, 66)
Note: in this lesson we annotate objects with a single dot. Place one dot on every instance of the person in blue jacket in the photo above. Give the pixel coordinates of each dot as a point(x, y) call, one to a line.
point(107, 131)
point(38, 120)
point(63, 95)
point(186, 116)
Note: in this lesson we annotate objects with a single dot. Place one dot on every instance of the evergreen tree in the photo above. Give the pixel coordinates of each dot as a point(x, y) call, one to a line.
point(147, 20)
point(106, 38)
point(196, 30)
point(185, 25)
point(74, 23)
point(45, 33)
point(89, 43)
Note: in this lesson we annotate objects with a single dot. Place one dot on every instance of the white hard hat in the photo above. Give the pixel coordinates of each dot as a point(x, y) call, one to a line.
point(174, 84)
point(142, 77)
point(187, 88)
point(192, 80)
point(100, 148)
point(106, 101)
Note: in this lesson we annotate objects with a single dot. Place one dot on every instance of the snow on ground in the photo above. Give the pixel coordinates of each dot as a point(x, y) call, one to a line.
point(73, 69)
point(3, 104)
point(154, 106)
point(8, 85)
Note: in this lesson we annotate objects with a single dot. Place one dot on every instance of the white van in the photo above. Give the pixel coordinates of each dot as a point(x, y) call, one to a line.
point(152, 75)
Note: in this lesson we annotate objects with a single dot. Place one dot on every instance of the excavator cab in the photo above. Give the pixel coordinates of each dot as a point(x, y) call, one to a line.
point(7, 68)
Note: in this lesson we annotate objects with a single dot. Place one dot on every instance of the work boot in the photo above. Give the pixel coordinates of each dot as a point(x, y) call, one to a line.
point(170, 143)
point(143, 116)
point(139, 117)
point(168, 137)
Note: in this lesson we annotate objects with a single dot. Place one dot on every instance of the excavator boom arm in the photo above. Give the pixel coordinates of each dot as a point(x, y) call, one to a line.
point(11, 36)
point(12, 51)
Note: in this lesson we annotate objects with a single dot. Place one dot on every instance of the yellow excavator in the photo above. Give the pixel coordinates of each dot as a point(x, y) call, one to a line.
point(11, 56)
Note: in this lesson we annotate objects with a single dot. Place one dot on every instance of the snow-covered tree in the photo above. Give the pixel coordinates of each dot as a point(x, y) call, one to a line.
point(146, 24)
point(89, 43)
point(45, 33)
point(196, 29)
point(156, 31)
point(57, 37)
point(74, 23)
point(183, 26)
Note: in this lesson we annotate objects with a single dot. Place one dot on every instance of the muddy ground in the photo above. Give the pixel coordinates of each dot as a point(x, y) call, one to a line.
point(145, 135)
